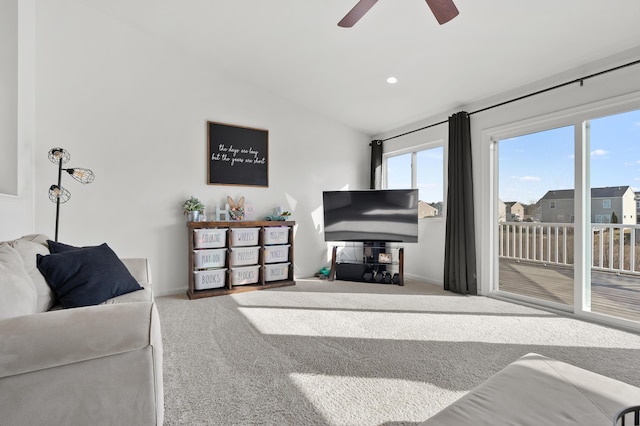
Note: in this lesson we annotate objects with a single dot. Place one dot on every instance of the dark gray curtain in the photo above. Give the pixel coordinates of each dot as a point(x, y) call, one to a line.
point(376, 165)
point(460, 246)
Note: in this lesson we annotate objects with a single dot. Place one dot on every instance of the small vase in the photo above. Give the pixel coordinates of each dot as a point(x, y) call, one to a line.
point(193, 216)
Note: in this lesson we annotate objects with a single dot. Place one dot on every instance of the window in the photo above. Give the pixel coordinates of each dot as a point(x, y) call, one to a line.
point(422, 169)
point(552, 204)
point(606, 204)
point(399, 172)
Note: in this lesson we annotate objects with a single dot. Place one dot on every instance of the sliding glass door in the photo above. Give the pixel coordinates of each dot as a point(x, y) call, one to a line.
point(567, 216)
point(536, 216)
point(615, 240)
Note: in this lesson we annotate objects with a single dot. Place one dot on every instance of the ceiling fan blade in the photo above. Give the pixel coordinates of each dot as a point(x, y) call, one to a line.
point(356, 13)
point(443, 10)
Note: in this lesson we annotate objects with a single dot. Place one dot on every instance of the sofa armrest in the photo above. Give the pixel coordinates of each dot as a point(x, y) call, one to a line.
point(50, 339)
point(536, 390)
point(139, 268)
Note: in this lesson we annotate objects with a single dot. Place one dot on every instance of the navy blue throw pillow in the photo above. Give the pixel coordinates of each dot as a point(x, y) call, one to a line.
point(86, 276)
point(56, 247)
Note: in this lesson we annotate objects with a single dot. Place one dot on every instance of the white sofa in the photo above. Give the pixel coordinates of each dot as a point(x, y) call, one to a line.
point(98, 365)
point(535, 390)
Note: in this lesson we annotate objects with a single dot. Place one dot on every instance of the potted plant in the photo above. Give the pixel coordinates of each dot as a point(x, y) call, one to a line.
point(193, 208)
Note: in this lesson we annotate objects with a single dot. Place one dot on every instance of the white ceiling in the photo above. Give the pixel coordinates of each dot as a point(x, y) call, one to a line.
point(295, 49)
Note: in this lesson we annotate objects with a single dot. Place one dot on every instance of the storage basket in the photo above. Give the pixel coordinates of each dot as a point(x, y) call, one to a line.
point(209, 258)
point(241, 237)
point(210, 238)
point(211, 278)
point(244, 256)
point(245, 275)
point(276, 272)
point(276, 235)
point(276, 254)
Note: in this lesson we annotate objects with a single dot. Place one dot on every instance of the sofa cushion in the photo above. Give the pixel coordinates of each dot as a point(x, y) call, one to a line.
point(86, 276)
point(18, 295)
point(29, 247)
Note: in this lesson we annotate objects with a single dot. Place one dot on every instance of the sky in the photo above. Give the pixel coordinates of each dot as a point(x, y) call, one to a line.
point(430, 174)
point(531, 165)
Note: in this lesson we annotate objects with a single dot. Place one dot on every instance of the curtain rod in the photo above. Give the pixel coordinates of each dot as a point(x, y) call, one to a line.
point(548, 89)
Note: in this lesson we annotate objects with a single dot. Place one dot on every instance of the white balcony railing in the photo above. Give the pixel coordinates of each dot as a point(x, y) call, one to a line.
point(616, 247)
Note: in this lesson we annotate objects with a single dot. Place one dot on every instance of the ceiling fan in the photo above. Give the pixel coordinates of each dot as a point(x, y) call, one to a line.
point(443, 10)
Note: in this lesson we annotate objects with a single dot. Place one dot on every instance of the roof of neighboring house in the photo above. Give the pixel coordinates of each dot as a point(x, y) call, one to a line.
point(425, 205)
point(606, 192)
point(511, 203)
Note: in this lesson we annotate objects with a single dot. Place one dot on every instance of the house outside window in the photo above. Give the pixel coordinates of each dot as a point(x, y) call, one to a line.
point(606, 204)
point(422, 168)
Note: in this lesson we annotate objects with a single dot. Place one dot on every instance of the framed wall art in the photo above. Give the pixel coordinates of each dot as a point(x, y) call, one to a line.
point(237, 155)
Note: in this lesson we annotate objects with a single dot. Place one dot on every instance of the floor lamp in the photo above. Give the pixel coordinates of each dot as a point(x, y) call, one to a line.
point(57, 193)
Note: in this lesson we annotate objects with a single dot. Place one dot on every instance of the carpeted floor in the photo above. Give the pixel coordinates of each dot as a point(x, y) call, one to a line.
point(344, 353)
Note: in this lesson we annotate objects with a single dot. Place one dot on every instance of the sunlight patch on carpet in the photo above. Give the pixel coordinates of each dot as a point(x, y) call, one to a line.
point(418, 326)
point(374, 401)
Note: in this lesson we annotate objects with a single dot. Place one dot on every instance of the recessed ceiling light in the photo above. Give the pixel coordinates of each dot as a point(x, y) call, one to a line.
point(392, 80)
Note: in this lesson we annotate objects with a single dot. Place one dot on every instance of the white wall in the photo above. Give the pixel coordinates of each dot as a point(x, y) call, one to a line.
point(8, 96)
point(134, 108)
point(430, 250)
point(17, 119)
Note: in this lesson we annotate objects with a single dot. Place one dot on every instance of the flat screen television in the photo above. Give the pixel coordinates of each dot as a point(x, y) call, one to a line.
point(389, 215)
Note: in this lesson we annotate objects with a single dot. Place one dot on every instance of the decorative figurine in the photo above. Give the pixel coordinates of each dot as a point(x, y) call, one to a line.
point(236, 211)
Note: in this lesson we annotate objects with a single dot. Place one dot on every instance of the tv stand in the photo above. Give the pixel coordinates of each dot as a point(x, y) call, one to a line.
point(369, 262)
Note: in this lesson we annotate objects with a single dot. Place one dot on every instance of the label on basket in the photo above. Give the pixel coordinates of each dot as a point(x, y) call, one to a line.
point(247, 276)
point(276, 253)
point(277, 273)
point(210, 280)
point(247, 237)
point(276, 235)
point(280, 253)
point(212, 258)
point(247, 256)
point(211, 238)
point(204, 280)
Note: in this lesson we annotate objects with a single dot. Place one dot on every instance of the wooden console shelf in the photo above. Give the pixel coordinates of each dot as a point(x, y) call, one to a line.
point(237, 256)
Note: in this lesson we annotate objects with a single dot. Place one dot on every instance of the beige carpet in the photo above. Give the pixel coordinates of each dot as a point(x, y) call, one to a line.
point(343, 353)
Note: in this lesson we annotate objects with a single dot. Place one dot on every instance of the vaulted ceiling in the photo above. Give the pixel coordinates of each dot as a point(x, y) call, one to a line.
point(294, 48)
